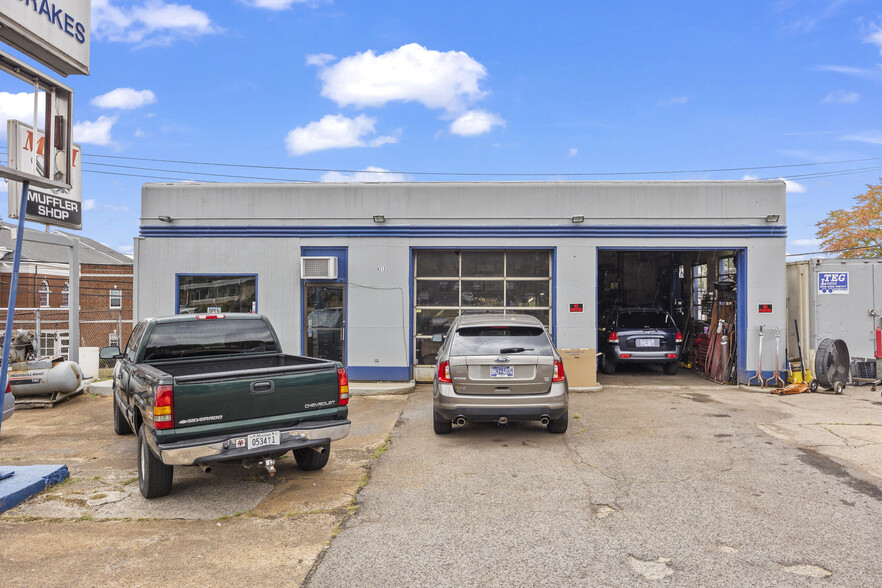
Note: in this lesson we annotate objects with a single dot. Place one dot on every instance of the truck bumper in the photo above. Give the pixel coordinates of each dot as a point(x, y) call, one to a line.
point(235, 446)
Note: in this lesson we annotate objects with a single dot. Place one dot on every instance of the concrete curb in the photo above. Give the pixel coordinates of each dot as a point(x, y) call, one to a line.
point(102, 388)
point(379, 388)
point(28, 481)
point(597, 388)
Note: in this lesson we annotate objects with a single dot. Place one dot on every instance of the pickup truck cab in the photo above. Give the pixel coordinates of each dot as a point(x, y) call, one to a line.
point(210, 388)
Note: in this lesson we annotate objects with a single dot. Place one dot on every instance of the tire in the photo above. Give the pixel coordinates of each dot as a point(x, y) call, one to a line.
point(559, 426)
point(671, 368)
point(838, 387)
point(441, 426)
point(120, 424)
point(813, 386)
point(310, 460)
point(154, 477)
point(607, 366)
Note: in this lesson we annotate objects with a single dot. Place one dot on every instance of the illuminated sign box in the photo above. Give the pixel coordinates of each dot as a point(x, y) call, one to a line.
point(54, 33)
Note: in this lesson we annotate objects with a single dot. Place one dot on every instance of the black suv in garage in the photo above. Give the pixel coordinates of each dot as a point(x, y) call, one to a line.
point(638, 335)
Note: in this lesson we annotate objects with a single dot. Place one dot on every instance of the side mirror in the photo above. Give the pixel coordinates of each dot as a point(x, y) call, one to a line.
point(437, 338)
point(111, 352)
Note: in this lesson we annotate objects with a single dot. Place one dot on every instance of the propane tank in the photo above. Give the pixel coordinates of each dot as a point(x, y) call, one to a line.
point(44, 376)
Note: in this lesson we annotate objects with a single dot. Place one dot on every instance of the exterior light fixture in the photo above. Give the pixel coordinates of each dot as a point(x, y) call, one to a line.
point(772, 218)
point(165, 218)
point(579, 218)
point(379, 218)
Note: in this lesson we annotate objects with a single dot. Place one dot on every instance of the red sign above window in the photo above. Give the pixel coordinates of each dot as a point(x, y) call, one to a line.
point(765, 308)
point(576, 308)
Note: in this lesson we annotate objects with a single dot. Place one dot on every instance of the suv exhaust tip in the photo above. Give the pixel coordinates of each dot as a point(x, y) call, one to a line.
point(459, 421)
point(544, 420)
point(503, 420)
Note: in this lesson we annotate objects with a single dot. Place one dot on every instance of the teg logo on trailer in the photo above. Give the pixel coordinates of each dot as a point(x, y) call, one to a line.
point(58, 17)
point(833, 282)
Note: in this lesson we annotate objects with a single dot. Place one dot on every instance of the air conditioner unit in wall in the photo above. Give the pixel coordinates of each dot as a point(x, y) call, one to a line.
point(318, 268)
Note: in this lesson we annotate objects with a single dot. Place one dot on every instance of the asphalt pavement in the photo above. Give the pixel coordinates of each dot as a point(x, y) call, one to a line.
point(663, 485)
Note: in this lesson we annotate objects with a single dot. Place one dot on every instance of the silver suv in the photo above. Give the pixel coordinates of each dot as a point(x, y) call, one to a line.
point(499, 368)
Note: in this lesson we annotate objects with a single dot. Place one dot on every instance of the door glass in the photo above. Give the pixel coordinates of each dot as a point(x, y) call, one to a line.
point(325, 321)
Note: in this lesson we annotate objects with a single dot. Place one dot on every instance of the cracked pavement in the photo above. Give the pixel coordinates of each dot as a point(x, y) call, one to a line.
point(652, 485)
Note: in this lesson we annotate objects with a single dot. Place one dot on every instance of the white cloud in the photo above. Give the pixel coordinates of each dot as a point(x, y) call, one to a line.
point(368, 174)
point(806, 242)
point(154, 22)
point(872, 137)
point(573, 152)
point(124, 98)
point(275, 4)
point(89, 204)
point(334, 132)
point(791, 187)
point(842, 97)
point(875, 37)
point(19, 107)
point(95, 133)
point(319, 59)
point(411, 73)
point(475, 122)
point(857, 72)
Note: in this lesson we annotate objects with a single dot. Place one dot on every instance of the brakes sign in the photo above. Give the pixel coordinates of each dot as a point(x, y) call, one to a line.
point(832, 282)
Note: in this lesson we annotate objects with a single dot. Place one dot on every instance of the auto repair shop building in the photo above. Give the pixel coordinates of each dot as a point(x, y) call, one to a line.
point(367, 273)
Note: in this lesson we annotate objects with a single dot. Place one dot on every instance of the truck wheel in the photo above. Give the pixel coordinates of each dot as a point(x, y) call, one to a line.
point(308, 459)
point(671, 368)
point(154, 477)
point(559, 426)
point(120, 425)
point(441, 426)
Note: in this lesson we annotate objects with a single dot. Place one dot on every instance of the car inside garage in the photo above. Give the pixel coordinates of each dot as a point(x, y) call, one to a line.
point(663, 311)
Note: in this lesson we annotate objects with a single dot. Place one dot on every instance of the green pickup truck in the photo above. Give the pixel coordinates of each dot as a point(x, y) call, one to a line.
point(209, 388)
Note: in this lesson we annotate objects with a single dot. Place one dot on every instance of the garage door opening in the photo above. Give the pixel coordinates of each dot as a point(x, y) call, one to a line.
point(669, 311)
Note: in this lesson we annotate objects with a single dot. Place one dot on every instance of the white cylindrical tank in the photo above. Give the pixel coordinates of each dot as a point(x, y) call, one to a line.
point(37, 378)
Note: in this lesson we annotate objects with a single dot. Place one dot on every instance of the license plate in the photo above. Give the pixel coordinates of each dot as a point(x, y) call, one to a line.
point(262, 439)
point(501, 371)
point(647, 342)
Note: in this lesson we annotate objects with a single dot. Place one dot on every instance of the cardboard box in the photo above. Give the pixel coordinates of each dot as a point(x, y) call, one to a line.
point(580, 366)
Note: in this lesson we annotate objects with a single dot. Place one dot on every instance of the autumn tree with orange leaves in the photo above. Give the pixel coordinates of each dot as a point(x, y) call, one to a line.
point(856, 232)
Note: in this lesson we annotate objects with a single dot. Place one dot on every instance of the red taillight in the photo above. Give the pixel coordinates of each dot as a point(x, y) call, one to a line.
point(444, 372)
point(613, 337)
point(679, 338)
point(672, 355)
point(625, 355)
point(559, 374)
point(342, 387)
point(9, 387)
point(163, 403)
point(210, 316)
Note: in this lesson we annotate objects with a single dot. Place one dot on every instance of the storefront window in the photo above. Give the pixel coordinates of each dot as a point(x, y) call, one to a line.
point(216, 293)
point(450, 283)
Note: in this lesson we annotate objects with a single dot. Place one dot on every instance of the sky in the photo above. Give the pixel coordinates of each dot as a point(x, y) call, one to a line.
point(348, 90)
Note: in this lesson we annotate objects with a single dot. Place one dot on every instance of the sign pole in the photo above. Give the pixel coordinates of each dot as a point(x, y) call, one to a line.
point(13, 289)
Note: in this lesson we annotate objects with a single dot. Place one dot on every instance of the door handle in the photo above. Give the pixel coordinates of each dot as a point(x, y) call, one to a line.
point(263, 387)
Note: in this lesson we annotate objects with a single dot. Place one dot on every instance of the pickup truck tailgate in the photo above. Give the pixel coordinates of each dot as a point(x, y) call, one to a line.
point(232, 396)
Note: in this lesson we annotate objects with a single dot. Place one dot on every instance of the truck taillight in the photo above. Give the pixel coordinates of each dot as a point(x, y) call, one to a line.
point(679, 338)
point(559, 374)
point(613, 337)
point(163, 404)
point(9, 387)
point(342, 387)
point(210, 316)
point(444, 372)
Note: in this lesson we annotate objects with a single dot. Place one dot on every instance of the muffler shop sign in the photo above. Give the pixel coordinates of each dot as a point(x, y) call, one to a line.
point(832, 282)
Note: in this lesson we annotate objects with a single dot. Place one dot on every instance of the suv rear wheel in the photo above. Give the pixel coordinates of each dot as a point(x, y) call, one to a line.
point(607, 366)
point(441, 426)
point(559, 426)
point(671, 368)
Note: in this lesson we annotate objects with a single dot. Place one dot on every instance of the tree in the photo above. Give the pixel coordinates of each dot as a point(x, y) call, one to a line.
point(856, 232)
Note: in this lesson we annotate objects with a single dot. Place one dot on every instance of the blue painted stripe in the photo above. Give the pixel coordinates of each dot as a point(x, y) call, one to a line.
point(371, 373)
point(461, 231)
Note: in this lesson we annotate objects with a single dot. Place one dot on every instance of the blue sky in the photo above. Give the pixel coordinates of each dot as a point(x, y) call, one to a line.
point(494, 88)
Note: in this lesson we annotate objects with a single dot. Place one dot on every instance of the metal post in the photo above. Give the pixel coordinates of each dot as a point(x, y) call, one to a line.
point(73, 303)
point(39, 329)
point(13, 289)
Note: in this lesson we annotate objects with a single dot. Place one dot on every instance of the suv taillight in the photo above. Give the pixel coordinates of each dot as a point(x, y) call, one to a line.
point(679, 338)
point(444, 372)
point(613, 337)
point(163, 405)
point(342, 387)
point(559, 375)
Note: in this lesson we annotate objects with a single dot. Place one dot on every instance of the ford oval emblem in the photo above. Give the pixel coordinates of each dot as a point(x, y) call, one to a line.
point(501, 359)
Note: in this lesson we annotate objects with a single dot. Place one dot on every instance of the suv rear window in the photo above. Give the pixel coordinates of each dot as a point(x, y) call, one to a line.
point(493, 340)
point(651, 319)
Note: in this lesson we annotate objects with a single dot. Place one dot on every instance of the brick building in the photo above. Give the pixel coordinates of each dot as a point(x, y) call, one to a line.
point(42, 300)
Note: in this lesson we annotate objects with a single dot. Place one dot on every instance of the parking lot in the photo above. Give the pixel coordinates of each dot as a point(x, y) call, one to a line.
point(663, 480)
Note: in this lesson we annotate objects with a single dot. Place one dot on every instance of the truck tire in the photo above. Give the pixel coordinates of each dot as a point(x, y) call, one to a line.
point(559, 426)
point(120, 424)
point(154, 477)
point(309, 460)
